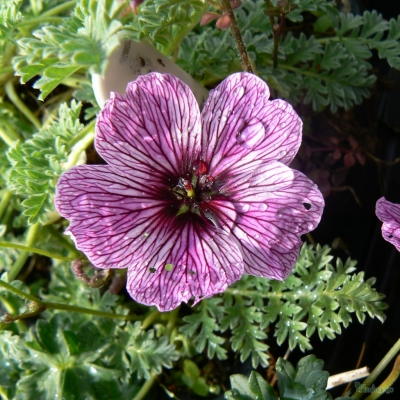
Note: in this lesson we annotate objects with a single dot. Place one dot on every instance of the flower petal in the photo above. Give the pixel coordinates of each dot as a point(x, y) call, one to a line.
point(118, 224)
point(155, 127)
point(278, 206)
point(240, 125)
point(389, 214)
point(104, 209)
point(183, 260)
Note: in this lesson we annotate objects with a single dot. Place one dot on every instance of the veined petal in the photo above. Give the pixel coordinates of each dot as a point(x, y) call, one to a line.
point(389, 214)
point(278, 206)
point(241, 125)
point(155, 127)
point(104, 210)
point(181, 261)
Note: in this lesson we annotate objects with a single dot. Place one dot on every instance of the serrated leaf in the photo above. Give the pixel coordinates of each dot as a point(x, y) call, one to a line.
point(306, 382)
point(253, 388)
point(147, 353)
point(34, 171)
point(69, 364)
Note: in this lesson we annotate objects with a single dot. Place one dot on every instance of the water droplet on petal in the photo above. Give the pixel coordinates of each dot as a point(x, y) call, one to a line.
point(256, 236)
point(244, 207)
point(282, 153)
point(283, 124)
point(251, 135)
point(238, 92)
point(262, 207)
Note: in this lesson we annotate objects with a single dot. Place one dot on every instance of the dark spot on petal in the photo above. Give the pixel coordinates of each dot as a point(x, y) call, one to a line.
point(160, 62)
point(152, 270)
point(390, 236)
point(307, 206)
point(142, 62)
point(191, 272)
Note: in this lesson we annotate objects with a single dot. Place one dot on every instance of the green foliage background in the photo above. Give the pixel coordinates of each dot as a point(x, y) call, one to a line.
point(90, 343)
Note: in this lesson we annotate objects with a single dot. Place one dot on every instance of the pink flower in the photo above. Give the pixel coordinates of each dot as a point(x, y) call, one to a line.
point(389, 214)
point(190, 201)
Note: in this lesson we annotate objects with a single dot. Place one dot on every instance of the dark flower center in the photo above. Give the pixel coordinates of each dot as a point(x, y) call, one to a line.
point(195, 190)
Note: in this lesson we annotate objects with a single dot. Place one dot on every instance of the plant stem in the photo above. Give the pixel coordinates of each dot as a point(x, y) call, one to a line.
point(66, 307)
point(19, 263)
point(150, 319)
point(388, 382)
point(12, 95)
point(244, 55)
point(29, 249)
point(170, 326)
point(78, 149)
point(379, 368)
point(174, 45)
point(54, 11)
point(145, 388)
point(276, 30)
point(81, 135)
point(5, 199)
point(7, 136)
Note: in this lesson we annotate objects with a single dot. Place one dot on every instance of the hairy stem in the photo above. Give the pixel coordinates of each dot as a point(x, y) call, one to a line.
point(12, 95)
point(29, 249)
point(379, 368)
point(244, 55)
point(19, 263)
point(67, 307)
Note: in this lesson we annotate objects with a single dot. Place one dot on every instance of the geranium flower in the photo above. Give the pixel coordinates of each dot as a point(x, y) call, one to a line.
point(389, 214)
point(189, 202)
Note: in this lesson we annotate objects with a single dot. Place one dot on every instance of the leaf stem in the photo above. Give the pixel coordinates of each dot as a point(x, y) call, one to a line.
point(19, 263)
point(5, 199)
point(244, 55)
point(145, 388)
point(388, 382)
point(66, 307)
point(41, 20)
point(81, 146)
point(150, 319)
point(8, 136)
point(45, 16)
point(174, 44)
point(30, 249)
point(81, 135)
point(379, 368)
point(12, 95)
point(276, 30)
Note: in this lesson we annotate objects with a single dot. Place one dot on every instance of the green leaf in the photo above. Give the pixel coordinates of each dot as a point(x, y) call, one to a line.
point(305, 382)
point(166, 22)
point(39, 161)
point(11, 352)
point(84, 40)
point(254, 388)
point(10, 16)
point(69, 364)
point(147, 354)
point(52, 77)
point(205, 318)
